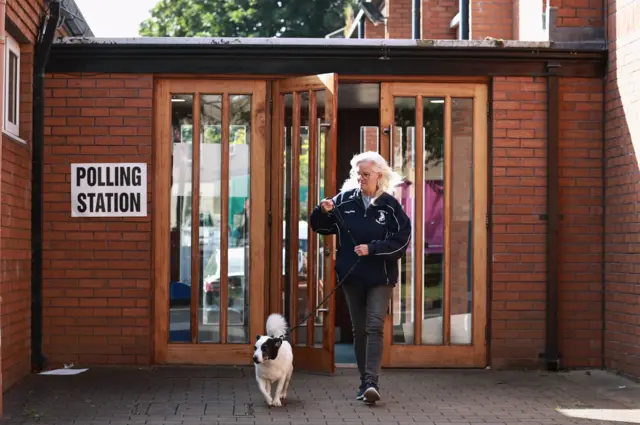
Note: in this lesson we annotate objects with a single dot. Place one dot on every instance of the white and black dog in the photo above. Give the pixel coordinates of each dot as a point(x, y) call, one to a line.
point(273, 360)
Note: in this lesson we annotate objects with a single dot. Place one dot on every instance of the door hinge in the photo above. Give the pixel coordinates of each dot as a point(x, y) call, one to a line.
point(486, 221)
point(269, 219)
point(271, 104)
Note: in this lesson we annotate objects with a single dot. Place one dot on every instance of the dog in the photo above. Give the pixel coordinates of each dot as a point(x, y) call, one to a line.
point(273, 360)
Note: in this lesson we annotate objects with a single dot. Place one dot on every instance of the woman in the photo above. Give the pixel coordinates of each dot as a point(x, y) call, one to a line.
point(366, 212)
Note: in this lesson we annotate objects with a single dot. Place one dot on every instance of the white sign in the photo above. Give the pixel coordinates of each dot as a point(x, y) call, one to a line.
point(109, 190)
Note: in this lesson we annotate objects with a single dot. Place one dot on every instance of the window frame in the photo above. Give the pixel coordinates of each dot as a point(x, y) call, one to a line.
point(11, 46)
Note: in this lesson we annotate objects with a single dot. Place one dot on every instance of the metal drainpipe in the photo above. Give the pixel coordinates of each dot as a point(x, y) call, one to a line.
point(464, 19)
point(43, 47)
point(416, 24)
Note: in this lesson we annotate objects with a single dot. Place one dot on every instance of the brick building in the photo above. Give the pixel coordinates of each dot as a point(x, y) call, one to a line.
point(527, 123)
point(20, 52)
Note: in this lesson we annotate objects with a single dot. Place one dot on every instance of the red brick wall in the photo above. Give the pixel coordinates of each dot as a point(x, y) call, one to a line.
point(578, 13)
point(25, 15)
point(491, 18)
point(97, 272)
point(373, 31)
point(436, 19)
point(399, 18)
point(16, 236)
point(622, 241)
point(519, 244)
point(15, 213)
point(581, 189)
point(519, 234)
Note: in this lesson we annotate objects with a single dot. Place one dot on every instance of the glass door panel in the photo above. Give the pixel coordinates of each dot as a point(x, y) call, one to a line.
point(305, 119)
point(215, 148)
point(437, 311)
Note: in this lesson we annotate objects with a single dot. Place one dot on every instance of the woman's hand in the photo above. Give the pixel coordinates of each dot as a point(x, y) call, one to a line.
point(362, 250)
point(326, 205)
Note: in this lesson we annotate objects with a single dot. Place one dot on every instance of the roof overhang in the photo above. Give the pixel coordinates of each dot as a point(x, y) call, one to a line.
point(292, 56)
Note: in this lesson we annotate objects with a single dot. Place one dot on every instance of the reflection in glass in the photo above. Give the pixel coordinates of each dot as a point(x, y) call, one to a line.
point(433, 221)
point(287, 134)
point(239, 208)
point(320, 239)
point(369, 138)
point(180, 219)
point(303, 213)
point(210, 213)
point(403, 162)
point(461, 221)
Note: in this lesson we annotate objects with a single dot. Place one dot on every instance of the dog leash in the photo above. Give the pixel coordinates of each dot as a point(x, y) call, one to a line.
point(339, 284)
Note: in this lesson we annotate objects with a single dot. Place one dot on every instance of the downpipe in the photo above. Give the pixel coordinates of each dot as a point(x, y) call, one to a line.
point(46, 35)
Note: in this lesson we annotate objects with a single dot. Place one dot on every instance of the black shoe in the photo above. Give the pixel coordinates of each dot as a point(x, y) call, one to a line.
point(361, 389)
point(372, 393)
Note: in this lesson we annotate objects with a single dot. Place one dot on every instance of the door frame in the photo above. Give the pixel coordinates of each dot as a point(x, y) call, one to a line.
point(310, 357)
point(193, 353)
point(263, 211)
point(459, 356)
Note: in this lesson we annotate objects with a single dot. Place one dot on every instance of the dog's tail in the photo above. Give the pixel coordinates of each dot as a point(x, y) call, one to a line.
point(276, 326)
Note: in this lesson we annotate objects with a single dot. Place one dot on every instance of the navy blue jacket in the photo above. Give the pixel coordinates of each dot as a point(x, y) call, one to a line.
point(384, 227)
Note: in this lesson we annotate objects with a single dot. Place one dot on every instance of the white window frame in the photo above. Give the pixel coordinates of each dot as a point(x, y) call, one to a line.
point(11, 46)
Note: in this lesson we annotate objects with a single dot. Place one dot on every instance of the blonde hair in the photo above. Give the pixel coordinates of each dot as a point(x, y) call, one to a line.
point(388, 181)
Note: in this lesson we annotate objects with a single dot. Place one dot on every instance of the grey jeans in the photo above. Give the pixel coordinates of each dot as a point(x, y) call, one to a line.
point(367, 307)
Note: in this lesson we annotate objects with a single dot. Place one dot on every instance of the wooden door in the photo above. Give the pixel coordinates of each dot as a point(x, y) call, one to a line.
point(209, 248)
point(437, 316)
point(304, 129)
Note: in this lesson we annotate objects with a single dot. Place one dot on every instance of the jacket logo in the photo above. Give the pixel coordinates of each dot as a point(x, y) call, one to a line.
point(350, 212)
point(382, 218)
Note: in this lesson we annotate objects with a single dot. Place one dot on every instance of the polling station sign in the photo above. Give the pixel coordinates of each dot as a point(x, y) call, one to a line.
point(109, 190)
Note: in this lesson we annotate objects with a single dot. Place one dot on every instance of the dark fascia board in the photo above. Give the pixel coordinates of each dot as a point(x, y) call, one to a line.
point(314, 56)
point(73, 19)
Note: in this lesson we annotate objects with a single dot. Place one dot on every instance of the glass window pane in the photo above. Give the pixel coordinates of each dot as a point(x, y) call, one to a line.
point(210, 213)
point(239, 208)
point(303, 213)
point(13, 89)
point(369, 139)
point(321, 190)
point(287, 134)
point(461, 269)
point(180, 219)
point(433, 220)
point(403, 162)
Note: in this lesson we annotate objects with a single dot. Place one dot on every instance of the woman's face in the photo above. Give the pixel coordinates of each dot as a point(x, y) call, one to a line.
point(368, 177)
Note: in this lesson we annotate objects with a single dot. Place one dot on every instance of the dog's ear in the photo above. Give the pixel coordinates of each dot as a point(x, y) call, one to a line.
point(257, 338)
point(278, 343)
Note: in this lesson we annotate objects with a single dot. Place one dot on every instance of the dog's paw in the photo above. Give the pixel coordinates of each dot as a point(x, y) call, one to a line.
point(277, 402)
point(284, 396)
point(269, 401)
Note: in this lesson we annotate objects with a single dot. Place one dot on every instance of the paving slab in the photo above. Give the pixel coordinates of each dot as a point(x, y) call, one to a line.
point(214, 395)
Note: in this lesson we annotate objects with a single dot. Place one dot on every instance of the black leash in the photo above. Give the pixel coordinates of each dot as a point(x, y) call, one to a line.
point(339, 284)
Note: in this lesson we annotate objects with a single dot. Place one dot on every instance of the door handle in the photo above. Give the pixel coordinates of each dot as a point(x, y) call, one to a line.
point(323, 310)
point(327, 252)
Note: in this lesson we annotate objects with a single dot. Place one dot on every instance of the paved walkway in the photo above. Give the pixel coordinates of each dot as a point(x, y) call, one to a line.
point(196, 395)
